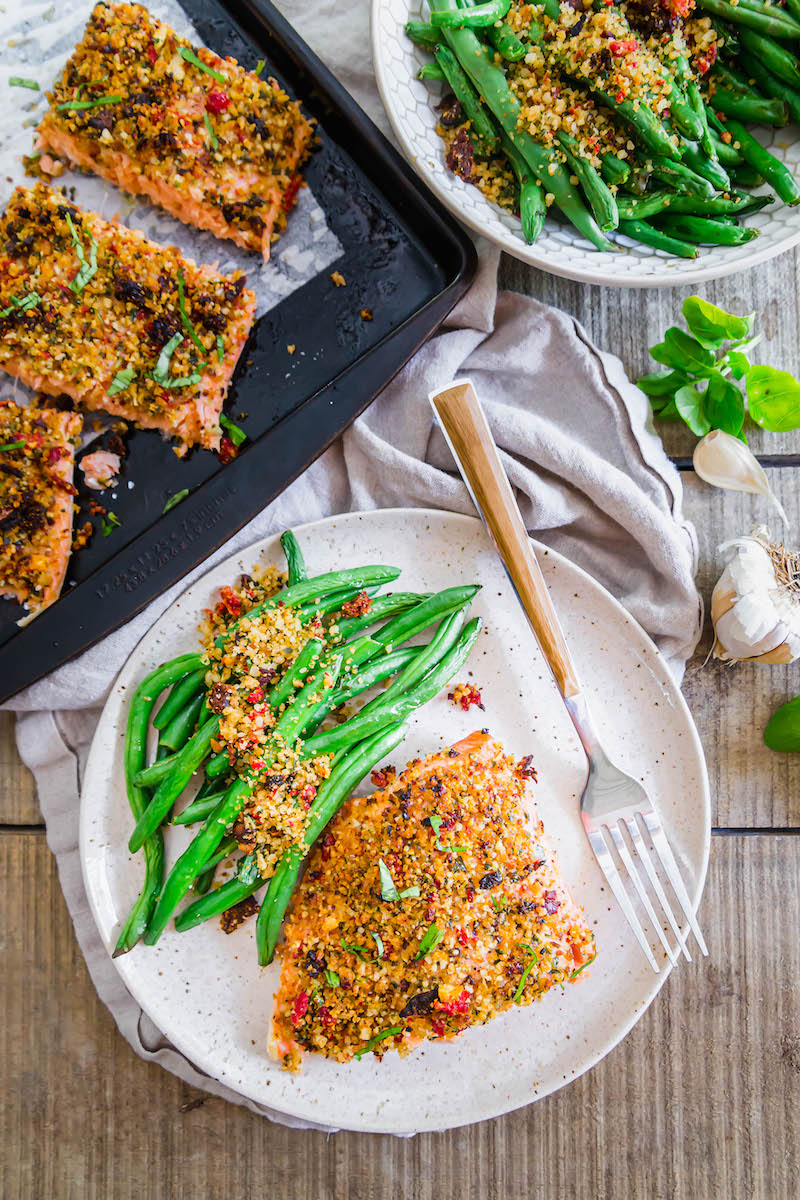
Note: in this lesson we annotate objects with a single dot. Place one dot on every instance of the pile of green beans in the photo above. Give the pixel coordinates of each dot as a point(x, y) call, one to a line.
point(685, 176)
point(348, 656)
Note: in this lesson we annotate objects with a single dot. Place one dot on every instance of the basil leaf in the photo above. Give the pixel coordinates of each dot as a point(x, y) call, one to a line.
point(783, 730)
point(221, 348)
point(690, 404)
point(388, 888)
point(190, 56)
point(430, 940)
point(81, 105)
point(212, 137)
point(122, 380)
point(15, 81)
point(711, 325)
point(236, 434)
point(683, 352)
point(662, 383)
point(373, 1042)
point(378, 942)
point(176, 499)
point(332, 978)
point(723, 404)
point(773, 398)
point(187, 324)
point(247, 872)
point(739, 364)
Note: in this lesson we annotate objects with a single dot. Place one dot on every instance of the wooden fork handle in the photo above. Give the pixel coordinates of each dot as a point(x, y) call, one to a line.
point(467, 431)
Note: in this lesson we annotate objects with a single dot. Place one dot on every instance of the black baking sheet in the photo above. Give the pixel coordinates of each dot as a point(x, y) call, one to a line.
point(402, 257)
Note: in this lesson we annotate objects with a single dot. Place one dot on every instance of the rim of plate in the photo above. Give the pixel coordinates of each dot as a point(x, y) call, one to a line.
point(435, 176)
point(125, 964)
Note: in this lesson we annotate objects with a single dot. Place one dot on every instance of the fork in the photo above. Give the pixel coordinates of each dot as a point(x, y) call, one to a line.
point(616, 812)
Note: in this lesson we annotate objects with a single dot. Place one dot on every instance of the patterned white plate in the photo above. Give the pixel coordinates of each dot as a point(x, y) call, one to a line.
point(560, 249)
point(204, 989)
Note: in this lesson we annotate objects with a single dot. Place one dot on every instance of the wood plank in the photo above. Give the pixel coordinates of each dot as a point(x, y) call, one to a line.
point(626, 321)
point(18, 804)
point(699, 1101)
point(751, 785)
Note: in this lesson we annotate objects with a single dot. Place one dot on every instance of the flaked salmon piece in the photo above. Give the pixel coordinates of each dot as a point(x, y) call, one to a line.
point(428, 907)
point(209, 142)
point(100, 469)
point(94, 310)
point(37, 460)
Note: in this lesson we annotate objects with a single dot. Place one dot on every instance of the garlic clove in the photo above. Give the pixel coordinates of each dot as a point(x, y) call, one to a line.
point(755, 606)
point(725, 461)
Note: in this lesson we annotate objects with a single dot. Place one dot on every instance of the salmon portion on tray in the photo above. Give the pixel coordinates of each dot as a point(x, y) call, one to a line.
point(211, 143)
point(37, 462)
point(428, 907)
point(94, 310)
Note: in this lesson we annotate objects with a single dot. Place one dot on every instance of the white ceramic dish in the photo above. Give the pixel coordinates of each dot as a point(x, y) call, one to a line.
point(204, 990)
point(560, 249)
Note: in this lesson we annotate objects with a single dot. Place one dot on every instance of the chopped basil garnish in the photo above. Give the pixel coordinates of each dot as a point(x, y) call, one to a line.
point(176, 499)
point(212, 137)
point(187, 324)
point(12, 446)
point(260, 67)
point(360, 951)
point(388, 888)
point(161, 373)
point(588, 962)
point(332, 978)
point(220, 348)
point(22, 303)
point(109, 523)
point(88, 270)
point(15, 81)
point(236, 434)
point(247, 872)
point(378, 942)
point(122, 380)
point(525, 973)
point(436, 824)
point(430, 940)
point(190, 56)
point(373, 1041)
point(72, 105)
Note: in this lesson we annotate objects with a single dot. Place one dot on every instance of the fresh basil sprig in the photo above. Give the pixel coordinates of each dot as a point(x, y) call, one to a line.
point(697, 389)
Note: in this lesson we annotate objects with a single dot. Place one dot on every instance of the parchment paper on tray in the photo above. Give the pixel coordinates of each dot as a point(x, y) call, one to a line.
point(37, 40)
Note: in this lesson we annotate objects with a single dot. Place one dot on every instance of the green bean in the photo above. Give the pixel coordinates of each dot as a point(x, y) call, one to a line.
point(726, 154)
point(506, 42)
point(185, 690)
point(135, 749)
point(683, 114)
point(640, 231)
point(409, 624)
point(156, 772)
point(199, 809)
point(492, 85)
point(226, 849)
point(772, 170)
point(233, 891)
point(793, 9)
point(747, 176)
point(328, 801)
point(295, 562)
point(352, 685)
point(397, 707)
point(477, 17)
point(187, 762)
point(423, 34)
point(734, 80)
point(392, 604)
point(783, 27)
point(613, 169)
point(682, 178)
point(727, 38)
point(316, 589)
point(754, 204)
point(181, 727)
point(703, 229)
point(771, 85)
point(432, 71)
point(481, 127)
point(706, 137)
point(532, 207)
point(202, 847)
point(709, 168)
point(749, 108)
point(642, 207)
point(601, 201)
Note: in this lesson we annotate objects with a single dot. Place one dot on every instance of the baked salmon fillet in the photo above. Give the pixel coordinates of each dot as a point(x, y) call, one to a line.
point(94, 310)
point(428, 907)
point(211, 143)
point(37, 461)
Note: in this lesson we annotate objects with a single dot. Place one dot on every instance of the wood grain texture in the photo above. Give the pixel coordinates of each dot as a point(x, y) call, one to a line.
point(698, 1103)
point(626, 321)
point(750, 785)
point(18, 805)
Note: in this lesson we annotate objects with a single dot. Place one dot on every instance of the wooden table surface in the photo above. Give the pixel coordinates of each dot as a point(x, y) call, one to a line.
point(700, 1101)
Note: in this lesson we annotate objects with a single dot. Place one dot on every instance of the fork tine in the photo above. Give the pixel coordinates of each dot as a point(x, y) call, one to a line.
point(609, 869)
point(644, 854)
point(641, 891)
point(661, 846)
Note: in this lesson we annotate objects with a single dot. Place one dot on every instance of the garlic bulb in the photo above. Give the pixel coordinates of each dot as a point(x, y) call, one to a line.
point(755, 606)
point(725, 461)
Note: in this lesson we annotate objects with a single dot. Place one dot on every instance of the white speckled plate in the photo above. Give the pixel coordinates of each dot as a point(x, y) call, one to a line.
point(204, 990)
point(409, 104)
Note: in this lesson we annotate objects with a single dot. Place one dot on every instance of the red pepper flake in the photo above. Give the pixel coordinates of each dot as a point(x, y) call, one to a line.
point(152, 53)
point(256, 764)
point(465, 695)
point(326, 1016)
point(438, 1027)
point(307, 795)
point(290, 195)
point(383, 776)
point(300, 1008)
point(706, 61)
point(55, 454)
point(227, 451)
point(217, 102)
point(327, 842)
point(231, 601)
point(256, 694)
point(454, 1007)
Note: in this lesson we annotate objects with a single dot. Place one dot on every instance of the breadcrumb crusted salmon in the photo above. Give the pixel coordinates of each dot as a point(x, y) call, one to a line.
point(95, 310)
point(211, 143)
point(37, 459)
point(428, 907)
